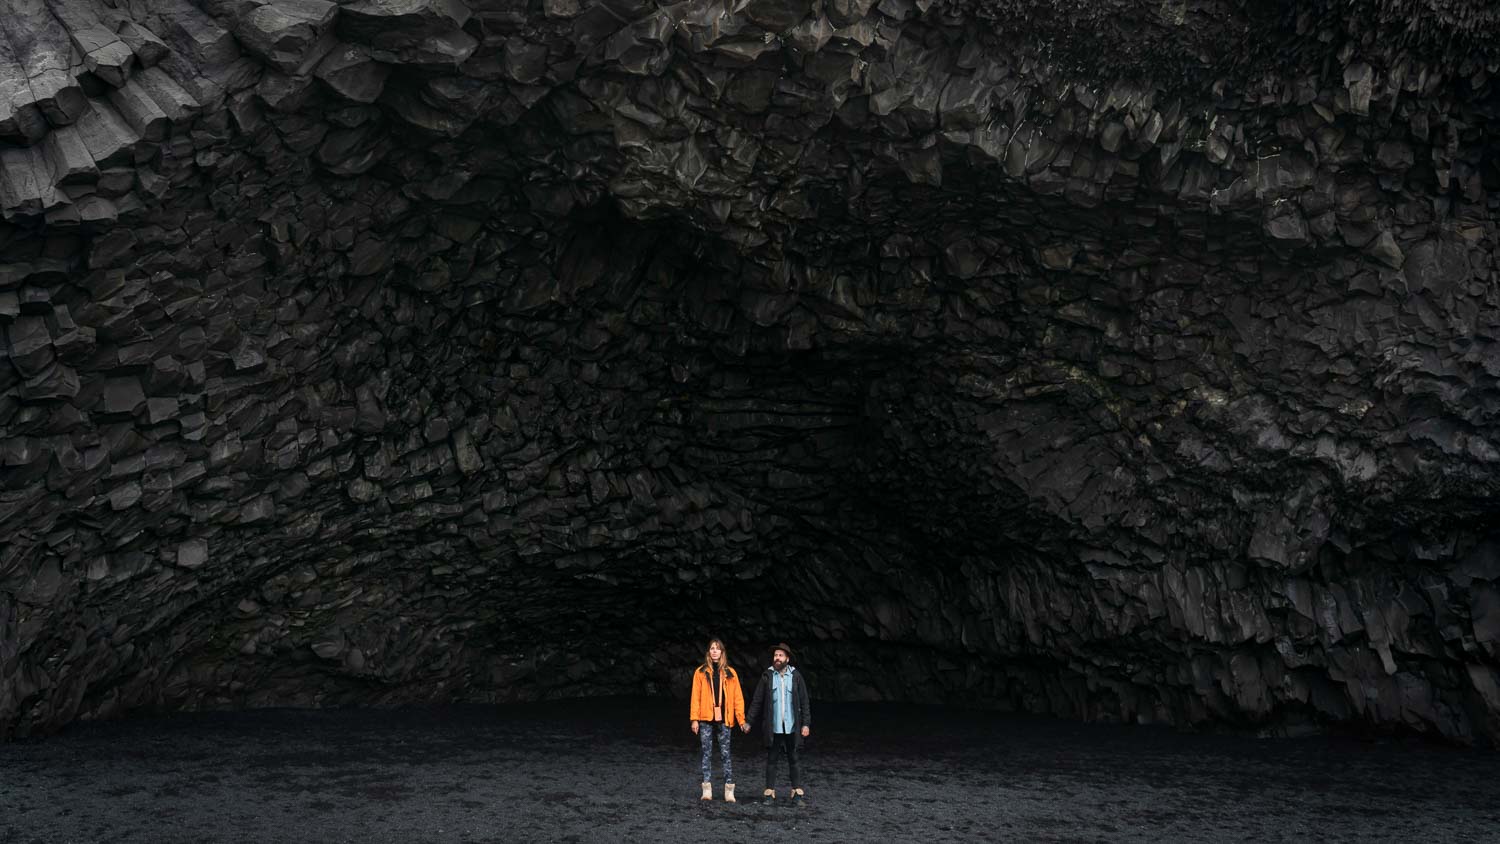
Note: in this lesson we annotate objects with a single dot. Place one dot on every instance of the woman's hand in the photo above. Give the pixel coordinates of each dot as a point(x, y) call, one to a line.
point(695, 727)
point(744, 728)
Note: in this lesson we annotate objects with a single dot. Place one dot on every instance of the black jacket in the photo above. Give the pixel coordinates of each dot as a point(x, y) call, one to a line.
point(760, 706)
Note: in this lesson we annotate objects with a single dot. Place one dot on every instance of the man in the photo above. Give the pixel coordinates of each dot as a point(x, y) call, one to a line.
point(781, 707)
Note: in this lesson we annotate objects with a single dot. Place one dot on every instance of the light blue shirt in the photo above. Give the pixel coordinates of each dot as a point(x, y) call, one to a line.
point(782, 717)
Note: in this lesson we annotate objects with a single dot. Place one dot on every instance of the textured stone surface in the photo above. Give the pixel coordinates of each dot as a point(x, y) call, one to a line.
point(1034, 355)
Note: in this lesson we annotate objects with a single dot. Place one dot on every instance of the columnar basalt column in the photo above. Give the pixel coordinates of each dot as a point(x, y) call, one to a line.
point(1115, 359)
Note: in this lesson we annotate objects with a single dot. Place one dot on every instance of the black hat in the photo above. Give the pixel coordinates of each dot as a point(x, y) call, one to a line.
point(783, 647)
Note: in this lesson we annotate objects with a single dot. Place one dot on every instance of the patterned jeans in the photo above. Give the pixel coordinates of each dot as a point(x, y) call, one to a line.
point(706, 731)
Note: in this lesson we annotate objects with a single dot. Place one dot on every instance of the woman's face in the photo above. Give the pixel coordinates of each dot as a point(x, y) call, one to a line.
point(715, 652)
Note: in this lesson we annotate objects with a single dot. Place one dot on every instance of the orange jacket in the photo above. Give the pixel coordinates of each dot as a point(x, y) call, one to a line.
point(702, 706)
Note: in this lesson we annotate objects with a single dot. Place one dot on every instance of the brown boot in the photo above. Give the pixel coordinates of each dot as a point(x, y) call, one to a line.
point(708, 791)
point(728, 792)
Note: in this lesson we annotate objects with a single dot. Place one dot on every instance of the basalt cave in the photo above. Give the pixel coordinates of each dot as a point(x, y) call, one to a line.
point(1133, 361)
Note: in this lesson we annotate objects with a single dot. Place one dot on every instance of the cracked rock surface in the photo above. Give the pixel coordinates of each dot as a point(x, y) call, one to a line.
point(1126, 360)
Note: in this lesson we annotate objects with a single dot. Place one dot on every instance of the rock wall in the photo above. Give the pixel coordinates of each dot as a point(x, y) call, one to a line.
point(1123, 360)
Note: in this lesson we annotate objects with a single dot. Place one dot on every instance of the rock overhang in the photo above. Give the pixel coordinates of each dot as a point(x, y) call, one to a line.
point(389, 351)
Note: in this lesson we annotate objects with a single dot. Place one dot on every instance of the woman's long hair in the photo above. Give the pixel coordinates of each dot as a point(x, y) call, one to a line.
point(708, 664)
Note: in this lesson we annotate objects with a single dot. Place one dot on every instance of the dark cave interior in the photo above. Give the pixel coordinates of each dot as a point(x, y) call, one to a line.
point(397, 351)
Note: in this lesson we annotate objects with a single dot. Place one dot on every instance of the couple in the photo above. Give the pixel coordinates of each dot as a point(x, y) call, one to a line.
point(780, 705)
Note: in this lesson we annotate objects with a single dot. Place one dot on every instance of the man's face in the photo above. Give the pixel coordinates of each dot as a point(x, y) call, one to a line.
point(778, 659)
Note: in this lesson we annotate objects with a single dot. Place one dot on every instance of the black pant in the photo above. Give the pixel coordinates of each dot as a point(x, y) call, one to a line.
point(782, 743)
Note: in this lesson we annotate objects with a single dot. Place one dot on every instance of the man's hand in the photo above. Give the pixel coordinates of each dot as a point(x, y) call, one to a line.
point(806, 731)
point(695, 727)
point(744, 728)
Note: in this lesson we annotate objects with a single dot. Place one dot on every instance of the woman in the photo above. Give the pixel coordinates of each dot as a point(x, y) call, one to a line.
point(718, 705)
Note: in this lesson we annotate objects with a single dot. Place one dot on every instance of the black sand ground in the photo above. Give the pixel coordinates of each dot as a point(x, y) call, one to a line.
point(626, 770)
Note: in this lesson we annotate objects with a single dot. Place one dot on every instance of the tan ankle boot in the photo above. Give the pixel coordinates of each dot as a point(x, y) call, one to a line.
point(728, 792)
point(708, 791)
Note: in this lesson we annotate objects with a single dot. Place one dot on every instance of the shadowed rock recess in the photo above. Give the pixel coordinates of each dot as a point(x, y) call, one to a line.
point(1116, 359)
